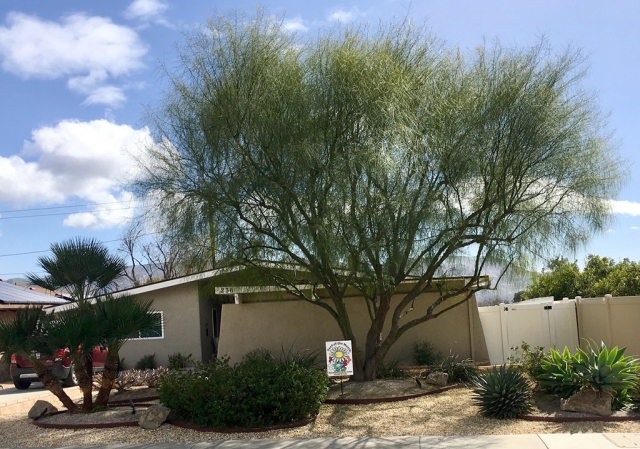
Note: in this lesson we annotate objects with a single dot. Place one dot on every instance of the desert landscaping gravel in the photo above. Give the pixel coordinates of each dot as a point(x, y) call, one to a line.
point(449, 413)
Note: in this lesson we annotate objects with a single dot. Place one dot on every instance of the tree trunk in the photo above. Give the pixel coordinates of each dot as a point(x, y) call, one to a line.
point(108, 377)
point(83, 365)
point(53, 385)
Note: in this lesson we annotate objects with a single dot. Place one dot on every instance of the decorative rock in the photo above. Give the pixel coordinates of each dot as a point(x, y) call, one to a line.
point(41, 408)
point(439, 379)
point(588, 400)
point(153, 417)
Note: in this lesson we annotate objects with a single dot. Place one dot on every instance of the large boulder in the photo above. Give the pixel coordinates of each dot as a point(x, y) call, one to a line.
point(41, 408)
point(588, 400)
point(439, 379)
point(153, 417)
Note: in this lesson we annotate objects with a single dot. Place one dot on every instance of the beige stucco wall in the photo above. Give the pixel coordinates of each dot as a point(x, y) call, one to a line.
point(301, 325)
point(181, 314)
point(613, 320)
point(7, 315)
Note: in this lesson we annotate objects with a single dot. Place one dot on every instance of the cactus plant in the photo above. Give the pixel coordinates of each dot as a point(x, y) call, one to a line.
point(503, 393)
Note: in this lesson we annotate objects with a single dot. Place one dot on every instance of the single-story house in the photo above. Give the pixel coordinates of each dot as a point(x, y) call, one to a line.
point(14, 297)
point(231, 311)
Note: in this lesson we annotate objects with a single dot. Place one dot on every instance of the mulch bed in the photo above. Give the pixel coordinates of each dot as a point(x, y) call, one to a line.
point(120, 415)
point(379, 388)
point(547, 408)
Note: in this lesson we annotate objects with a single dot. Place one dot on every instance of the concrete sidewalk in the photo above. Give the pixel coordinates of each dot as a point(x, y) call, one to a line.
point(541, 441)
point(20, 401)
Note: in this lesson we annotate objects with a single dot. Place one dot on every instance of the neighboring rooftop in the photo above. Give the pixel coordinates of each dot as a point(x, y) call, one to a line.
point(15, 294)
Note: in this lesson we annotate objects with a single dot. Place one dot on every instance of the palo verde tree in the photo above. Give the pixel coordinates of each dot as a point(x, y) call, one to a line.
point(366, 158)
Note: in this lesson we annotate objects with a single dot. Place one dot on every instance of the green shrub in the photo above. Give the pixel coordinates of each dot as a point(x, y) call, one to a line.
point(528, 360)
point(390, 370)
point(458, 370)
point(424, 354)
point(254, 393)
point(147, 362)
point(305, 358)
point(179, 361)
point(503, 393)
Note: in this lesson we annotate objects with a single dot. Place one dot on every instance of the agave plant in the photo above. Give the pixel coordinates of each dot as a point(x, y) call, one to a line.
point(558, 373)
point(608, 369)
point(503, 393)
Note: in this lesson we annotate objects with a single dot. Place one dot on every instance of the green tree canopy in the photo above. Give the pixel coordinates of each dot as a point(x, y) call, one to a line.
point(601, 276)
point(370, 157)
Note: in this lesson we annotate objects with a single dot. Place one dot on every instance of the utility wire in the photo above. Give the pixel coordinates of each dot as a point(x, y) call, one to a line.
point(66, 213)
point(48, 250)
point(61, 207)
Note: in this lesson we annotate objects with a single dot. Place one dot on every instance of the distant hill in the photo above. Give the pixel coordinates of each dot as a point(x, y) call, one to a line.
point(509, 285)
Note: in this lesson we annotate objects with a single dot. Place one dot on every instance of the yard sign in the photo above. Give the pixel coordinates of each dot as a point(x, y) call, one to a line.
point(339, 358)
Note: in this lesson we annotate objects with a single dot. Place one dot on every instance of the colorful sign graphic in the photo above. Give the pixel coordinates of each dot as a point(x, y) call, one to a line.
point(339, 358)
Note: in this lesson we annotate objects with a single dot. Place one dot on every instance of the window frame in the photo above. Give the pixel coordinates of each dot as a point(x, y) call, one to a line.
point(161, 329)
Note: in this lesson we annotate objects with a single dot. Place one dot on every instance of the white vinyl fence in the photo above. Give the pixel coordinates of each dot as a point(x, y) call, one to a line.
point(542, 322)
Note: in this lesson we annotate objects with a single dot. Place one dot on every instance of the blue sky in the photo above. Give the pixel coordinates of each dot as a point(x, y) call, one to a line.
point(76, 77)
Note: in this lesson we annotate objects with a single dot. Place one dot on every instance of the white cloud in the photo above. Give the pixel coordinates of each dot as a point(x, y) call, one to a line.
point(635, 228)
point(344, 16)
point(295, 24)
point(625, 207)
point(111, 95)
point(147, 11)
point(89, 51)
point(86, 160)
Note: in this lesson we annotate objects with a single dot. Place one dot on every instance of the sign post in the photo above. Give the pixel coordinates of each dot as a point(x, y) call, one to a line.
point(339, 360)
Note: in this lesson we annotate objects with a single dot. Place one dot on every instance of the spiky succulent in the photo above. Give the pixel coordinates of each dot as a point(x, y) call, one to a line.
point(503, 393)
point(558, 373)
point(607, 369)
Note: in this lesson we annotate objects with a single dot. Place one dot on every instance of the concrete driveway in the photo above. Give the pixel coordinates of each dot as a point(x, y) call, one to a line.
point(14, 401)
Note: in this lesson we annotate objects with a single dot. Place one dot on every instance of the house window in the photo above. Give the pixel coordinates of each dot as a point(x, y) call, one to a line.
point(155, 333)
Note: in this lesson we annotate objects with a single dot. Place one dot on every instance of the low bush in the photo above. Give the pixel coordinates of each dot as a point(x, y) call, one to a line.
point(179, 361)
point(424, 354)
point(127, 379)
point(390, 370)
point(528, 359)
point(147, 362)
point(259, 391)
point(305, 358)
point(464, 370)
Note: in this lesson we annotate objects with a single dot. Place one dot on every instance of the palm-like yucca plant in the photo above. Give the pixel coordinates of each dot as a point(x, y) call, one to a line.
point(503, 393)
point(27, 335)
point(82, 267)
point(558, 373)
point(120, 318)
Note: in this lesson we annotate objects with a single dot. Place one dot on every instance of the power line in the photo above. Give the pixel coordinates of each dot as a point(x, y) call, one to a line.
point(48, 250)
point(60, 207)
point(65, 213)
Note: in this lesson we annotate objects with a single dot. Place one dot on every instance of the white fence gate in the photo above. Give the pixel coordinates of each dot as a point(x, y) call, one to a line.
point(543, 322)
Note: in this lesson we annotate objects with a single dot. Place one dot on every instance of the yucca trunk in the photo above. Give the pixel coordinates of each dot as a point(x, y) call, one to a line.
point(53, 385)
point(108, 377)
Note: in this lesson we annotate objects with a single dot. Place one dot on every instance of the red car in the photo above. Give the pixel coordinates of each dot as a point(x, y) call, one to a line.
point(61, 366)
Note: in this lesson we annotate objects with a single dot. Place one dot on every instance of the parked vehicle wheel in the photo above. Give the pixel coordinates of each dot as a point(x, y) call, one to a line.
point(21, 384)
point(72, 379)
